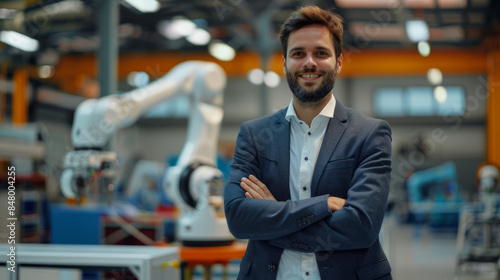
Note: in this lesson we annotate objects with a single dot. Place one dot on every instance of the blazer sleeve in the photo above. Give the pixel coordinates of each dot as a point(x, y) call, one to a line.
point(260, 219)
point(357, 224)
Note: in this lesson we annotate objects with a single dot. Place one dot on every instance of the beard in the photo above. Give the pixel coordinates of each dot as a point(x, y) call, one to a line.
point(315, 94)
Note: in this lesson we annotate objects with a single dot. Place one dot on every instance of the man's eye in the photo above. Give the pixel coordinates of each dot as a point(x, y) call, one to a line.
point(297, 53)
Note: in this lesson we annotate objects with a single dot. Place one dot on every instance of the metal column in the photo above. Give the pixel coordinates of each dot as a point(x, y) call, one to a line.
point(108, 20)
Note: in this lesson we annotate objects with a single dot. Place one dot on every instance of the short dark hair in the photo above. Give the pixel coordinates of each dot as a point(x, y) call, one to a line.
point(309, 15)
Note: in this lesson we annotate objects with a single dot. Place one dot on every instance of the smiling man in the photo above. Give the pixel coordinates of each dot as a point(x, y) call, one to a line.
point(309, 184)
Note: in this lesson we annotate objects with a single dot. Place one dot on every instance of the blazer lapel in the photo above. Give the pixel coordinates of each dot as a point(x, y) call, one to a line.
point(334, 131)
point(281, 129)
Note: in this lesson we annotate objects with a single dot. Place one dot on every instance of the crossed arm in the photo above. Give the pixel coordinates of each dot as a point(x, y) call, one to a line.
point(258, 190)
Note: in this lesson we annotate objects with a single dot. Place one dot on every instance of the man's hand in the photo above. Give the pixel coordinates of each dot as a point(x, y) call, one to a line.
point(335, 203)
point(255, 188)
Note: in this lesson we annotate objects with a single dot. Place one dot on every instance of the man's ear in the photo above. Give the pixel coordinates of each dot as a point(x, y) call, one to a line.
point(283, 60)
point(340, 60)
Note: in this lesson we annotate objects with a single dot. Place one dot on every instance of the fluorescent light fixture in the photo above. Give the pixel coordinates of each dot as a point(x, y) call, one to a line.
point(424, 48)
point(64, 8)
point(440, 94)
point(272, 79)
point(18, 40)
point(434, 76)
point(199, 37)
point(177, 28)
point(417, 30)
point(145, 6)
point(221, 51)
point(256, 76)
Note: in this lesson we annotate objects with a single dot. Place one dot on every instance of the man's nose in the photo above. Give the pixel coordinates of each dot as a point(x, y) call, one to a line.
point(309, 62)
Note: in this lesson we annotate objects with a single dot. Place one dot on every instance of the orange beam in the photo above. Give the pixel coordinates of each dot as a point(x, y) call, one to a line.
point(154, 63)
point(20, 97)
point(408, 62)
point(493, 112)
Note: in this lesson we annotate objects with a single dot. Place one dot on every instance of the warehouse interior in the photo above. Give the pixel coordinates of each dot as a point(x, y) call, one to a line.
point(430, 68)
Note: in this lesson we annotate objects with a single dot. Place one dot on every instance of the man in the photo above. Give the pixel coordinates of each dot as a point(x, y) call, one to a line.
point(309, 184)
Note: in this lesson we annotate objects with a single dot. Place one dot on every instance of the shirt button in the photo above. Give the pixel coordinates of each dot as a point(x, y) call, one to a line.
point(304, 188)
point(308, 133)
point(307, 273)
point(306, 158)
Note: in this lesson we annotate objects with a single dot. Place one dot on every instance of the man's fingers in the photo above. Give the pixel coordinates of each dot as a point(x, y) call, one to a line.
point(335, 203)
point(250, 189)
point(257, 181)
point(256, 188)
point(263, 188)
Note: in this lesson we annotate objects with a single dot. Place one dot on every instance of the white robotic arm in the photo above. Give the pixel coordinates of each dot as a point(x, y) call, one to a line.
point(97, 119)
point(194, 184)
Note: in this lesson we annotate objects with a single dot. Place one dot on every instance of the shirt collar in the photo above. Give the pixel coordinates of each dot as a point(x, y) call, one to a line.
point(327, 111)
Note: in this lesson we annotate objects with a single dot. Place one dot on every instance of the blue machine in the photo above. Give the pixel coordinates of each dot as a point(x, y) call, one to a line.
point(434, 192)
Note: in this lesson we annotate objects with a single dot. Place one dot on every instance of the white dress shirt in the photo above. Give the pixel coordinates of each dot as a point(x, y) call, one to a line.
point(305, 143)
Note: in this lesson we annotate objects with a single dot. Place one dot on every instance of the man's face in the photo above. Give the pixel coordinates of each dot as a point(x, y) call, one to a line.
point(310, 65)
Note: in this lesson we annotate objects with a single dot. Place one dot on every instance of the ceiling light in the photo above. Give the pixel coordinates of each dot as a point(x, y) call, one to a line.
point(177, 28)
point(272, 79)
point(256, 76)
point(46, 71)
point(434, 76)
point(199, 37)
point(19, 41)
point(221, 51)
point(64, 8)
point(417, 30)
point(145, 6)
point(440, 94)
point(424, 48)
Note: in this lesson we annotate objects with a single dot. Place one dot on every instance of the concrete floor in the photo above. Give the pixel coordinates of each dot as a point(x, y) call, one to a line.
point(417, 253)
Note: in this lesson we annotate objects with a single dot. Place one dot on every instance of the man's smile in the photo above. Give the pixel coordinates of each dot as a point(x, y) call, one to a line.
point(310, 77)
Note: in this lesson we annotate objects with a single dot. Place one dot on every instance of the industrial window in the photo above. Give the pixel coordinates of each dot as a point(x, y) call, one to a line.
point(419, 101)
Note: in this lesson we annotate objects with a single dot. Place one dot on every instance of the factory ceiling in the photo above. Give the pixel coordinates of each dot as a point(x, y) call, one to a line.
point(70, 26)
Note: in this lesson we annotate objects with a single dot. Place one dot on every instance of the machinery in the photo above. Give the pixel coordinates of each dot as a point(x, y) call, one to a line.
point(194, 184)
point(435, 191)
point(478, 238)
point(488, 179)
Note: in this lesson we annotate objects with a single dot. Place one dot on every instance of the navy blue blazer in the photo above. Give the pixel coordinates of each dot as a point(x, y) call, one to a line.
point(354, 163)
